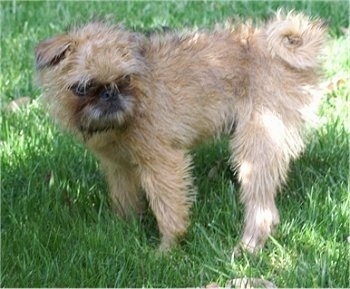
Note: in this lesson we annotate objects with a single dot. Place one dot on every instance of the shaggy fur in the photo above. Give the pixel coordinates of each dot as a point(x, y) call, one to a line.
point(141, 103)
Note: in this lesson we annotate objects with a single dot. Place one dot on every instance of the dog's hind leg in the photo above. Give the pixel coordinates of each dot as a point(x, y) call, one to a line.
point(262, 163)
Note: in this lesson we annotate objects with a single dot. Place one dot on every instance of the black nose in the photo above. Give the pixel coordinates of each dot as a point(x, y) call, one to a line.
point(108, 94)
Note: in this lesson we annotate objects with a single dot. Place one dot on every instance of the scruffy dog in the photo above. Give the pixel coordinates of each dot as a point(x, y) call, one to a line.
point(141, 103)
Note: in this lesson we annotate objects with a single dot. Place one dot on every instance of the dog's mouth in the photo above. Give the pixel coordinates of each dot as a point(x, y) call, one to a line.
point(103, 117)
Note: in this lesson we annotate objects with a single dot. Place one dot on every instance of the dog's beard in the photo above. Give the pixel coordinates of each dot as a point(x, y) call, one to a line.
point(100, 117)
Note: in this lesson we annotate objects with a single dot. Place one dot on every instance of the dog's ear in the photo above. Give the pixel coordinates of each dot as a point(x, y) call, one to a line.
point(52, 51)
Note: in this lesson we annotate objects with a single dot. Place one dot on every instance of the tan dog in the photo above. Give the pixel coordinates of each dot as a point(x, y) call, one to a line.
point(141, 103)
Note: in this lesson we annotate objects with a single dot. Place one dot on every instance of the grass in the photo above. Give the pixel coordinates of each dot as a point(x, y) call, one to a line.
point(57, 229)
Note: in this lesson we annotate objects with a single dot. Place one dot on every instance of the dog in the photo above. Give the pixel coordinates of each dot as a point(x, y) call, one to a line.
point(141, 103)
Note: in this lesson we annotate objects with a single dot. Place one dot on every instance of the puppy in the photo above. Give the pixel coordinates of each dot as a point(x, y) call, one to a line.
point(140, 103)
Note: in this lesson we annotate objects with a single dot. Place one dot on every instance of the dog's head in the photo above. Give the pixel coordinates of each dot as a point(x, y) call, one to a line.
point(87, 76)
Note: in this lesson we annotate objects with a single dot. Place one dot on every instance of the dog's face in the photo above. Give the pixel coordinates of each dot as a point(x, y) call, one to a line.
point(88, 74)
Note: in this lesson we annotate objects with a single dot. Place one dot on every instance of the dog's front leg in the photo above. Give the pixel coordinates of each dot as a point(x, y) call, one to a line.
point(124, 186)
point(166, 179)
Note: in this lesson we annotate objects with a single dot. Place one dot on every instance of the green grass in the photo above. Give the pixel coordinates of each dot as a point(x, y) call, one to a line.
point(57, 229)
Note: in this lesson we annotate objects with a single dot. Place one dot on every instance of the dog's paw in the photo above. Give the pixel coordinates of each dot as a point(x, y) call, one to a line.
point(241, 248)
point(259, 225)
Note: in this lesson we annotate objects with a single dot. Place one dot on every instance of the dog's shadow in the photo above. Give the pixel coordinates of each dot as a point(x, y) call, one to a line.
point(73, 180)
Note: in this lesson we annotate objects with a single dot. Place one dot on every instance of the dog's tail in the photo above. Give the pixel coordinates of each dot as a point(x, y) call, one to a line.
point(296, 39)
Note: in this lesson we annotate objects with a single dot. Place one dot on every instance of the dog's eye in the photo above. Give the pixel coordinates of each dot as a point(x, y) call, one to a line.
point(80, 89)
point(124, 83)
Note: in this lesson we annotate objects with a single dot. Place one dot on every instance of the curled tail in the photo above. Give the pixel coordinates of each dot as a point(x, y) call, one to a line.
point(296, 39)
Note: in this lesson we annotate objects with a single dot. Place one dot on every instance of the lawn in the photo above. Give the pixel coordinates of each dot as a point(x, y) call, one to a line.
point(57, 227)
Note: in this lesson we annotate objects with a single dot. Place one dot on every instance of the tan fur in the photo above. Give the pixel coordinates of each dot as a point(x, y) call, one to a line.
point(141, 103)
